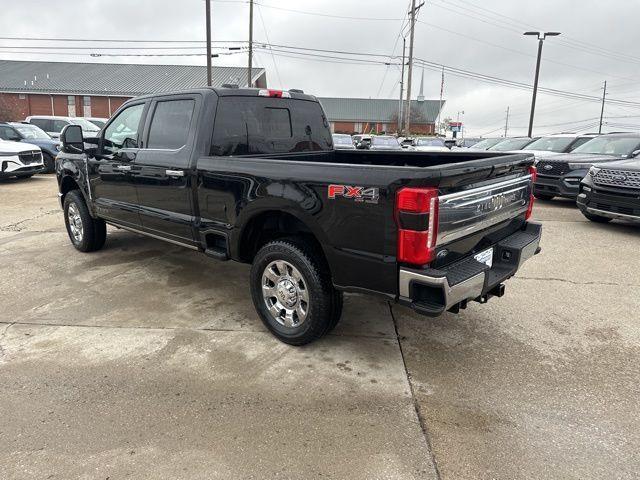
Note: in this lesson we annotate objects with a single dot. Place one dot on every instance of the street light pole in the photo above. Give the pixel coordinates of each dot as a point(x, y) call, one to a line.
point(208, 10)
point(541, 37)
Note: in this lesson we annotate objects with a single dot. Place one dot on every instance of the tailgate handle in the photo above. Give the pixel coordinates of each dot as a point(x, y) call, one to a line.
point(174, 173)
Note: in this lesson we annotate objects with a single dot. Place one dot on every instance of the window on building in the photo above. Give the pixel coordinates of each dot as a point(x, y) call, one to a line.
point(71, 105)
point(170, 124)
point(86, 106)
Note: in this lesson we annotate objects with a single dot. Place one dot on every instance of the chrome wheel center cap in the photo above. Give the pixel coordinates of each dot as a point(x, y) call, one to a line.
point(287, 292)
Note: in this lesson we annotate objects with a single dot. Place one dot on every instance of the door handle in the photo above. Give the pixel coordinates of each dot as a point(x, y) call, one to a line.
point(174, 173)
point(124, 168)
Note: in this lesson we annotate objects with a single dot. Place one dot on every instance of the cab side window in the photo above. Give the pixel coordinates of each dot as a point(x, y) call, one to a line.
point(58, 125)
point(169, 128)
point(43, 123)
point(123, 131)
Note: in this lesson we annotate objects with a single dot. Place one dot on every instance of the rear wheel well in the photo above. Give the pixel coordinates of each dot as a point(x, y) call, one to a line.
point(273, 225)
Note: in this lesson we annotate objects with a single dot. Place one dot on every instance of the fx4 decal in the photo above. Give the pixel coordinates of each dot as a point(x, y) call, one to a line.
point(358, 194)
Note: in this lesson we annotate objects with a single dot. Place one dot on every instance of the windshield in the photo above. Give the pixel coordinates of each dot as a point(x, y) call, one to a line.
point(620, 146)
point(342, 140)
point(85, 124)
point(430, 142)
point(487, 143)
point(511, 144)
point(386, 141)
point(31, 131)
point(551, 144)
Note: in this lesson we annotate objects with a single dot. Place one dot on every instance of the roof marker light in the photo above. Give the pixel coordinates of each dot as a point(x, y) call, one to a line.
point(273, 93)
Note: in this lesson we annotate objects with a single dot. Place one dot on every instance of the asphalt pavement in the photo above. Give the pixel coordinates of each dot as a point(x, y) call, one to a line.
point(146, 360)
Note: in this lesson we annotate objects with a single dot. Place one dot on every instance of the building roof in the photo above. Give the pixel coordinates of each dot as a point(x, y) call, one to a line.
point(383, 110)
point(114, 78)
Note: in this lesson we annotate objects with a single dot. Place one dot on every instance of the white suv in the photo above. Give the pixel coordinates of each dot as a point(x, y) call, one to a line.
point(19, 159)
point(53, 125)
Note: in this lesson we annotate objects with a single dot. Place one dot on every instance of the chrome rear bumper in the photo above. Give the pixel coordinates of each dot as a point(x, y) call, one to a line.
point(432, 292)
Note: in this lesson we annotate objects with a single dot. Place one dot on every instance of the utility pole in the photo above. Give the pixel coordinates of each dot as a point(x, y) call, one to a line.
point(400, 109)
point(414, 10)
point(541, 36)
point(208, 10)
point(506, 124)
point(604, 93)
point(249, 75)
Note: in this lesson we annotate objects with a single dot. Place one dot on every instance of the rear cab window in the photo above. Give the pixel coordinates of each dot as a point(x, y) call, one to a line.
point(250, 125)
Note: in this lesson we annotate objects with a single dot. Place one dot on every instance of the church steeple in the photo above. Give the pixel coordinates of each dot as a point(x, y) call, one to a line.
point(421, 94)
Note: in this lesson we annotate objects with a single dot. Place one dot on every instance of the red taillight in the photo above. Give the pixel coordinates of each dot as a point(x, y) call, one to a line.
point(533, 171)
point(417, 218)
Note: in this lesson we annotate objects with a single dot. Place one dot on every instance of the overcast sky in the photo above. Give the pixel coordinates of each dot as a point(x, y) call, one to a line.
point(600, 41)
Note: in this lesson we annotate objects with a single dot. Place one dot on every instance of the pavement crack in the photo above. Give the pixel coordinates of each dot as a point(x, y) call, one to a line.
point(416, 406)
point(573, 282)
point(2, 335)
point(15, 227)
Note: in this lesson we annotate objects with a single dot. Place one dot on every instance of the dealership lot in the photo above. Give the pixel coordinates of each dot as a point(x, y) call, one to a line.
point(145, 359)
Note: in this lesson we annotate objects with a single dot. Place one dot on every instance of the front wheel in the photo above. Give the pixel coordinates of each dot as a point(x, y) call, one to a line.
point(86, 233)
point(596, 218)
point(292, 292)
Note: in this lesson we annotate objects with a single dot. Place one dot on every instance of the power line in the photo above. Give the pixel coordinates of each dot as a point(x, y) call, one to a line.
point(327, 15)
point(566, 38)
point(342, 56)
point(266, 34)
point(515, 26)
point(115, 40)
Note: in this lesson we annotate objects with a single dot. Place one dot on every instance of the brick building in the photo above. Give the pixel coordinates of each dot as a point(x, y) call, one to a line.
point(97, 89)
point(367, 115)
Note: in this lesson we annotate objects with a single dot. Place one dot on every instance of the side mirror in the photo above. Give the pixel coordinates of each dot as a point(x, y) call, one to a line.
point(72, 140)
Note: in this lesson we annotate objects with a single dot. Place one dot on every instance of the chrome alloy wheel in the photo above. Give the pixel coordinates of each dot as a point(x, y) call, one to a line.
point(75, 222)
point(285, 293)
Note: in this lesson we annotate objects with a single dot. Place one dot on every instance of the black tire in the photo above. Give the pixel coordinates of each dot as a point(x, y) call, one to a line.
point(93, 232)
point(49, 163)
point(542, 196)
point(596, 218)
point(323, 305)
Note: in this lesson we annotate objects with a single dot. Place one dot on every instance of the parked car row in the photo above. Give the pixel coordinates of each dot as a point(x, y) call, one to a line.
point(39, 145)
point(601, 172)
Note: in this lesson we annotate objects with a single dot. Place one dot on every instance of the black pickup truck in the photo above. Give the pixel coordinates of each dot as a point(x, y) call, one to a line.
point(251, 175)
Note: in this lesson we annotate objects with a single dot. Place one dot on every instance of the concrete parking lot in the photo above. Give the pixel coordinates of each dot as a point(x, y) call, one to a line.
point(145, 360)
